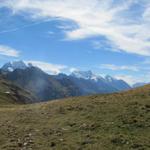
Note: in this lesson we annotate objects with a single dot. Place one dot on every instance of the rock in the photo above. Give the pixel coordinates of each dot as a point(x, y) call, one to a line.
point(25, 144)
point(61, 140)
point(53, 144)
point(20, 144)
point(87, 142)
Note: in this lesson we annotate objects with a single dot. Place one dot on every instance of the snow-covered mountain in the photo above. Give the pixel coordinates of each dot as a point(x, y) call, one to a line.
point(118, 84)
point(109, 78)
point(87, 75)
point(82, 74)
point(46, 87)
point(107, 83)
point(11, 66)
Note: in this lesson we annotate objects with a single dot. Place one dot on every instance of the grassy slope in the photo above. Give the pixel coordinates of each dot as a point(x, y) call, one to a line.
point(107, 122)
point(11, 94)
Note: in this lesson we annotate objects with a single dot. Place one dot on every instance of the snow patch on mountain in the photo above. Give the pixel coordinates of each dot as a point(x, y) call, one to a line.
point(109, 78)
point(87, 75)
point(11, 66)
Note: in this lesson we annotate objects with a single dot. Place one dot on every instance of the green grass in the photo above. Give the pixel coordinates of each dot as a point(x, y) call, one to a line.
point(99, 122)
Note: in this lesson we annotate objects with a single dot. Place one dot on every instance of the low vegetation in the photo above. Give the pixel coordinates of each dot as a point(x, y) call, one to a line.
point(12, 94)
point(100, 122)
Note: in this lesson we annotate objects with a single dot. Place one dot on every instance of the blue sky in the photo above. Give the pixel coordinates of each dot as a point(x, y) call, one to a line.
point(105, 36)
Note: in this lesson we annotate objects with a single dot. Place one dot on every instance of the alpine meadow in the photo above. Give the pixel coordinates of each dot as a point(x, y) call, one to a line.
point(74, 75)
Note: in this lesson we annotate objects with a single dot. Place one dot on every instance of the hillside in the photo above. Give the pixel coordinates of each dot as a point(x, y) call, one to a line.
point(10, 93)
point(42, 85)
point(118, 121)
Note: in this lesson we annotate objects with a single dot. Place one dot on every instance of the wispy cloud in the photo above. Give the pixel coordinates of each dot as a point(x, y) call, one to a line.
point(128, 78)
point(146, 62)
point(25, 26)
point(126, 29)
point(115, 67)
point(134, 79)
point(8, 51)
point(48, 67)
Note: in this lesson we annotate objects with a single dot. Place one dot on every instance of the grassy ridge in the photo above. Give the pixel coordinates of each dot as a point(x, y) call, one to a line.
point(100, 122)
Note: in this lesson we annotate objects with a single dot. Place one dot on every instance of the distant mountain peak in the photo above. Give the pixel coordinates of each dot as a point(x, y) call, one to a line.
point(139, 84)
point(109, 78)
point(11, 66)
point(87, 75)
point(82, 74)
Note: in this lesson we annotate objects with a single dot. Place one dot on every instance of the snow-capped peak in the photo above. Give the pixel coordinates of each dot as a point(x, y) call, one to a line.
point(109, 78)
point(82, 74)
point(88, 75)
point(11, 66)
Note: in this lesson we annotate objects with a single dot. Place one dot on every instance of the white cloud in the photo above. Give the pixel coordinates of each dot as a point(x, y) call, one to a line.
point(73, 69)
point(8, 51)
point(128, 78)
point(48, 67)
point(128, 33)
point(134, 79)
point(115, 67)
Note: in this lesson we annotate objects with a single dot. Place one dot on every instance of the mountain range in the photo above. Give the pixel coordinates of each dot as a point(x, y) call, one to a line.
point(47, 87)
